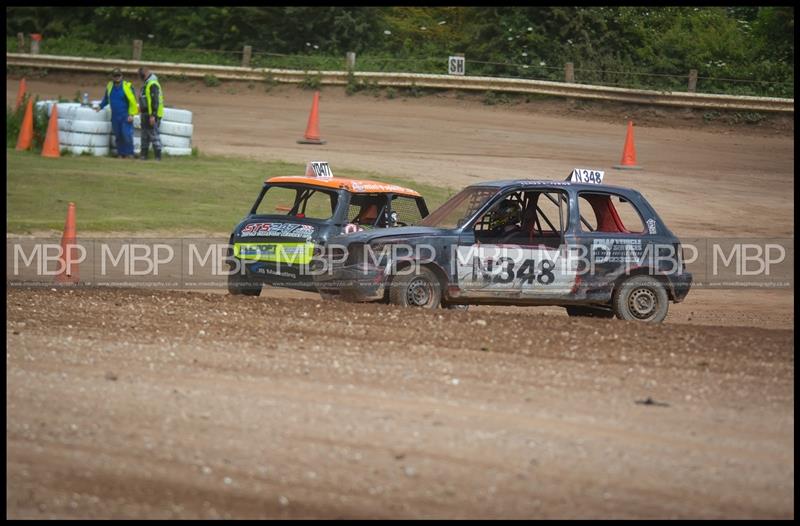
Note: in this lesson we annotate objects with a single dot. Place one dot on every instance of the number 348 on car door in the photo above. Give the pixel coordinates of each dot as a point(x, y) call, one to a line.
point(489, 269)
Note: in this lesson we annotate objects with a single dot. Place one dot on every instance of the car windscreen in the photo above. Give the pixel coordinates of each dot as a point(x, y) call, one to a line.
point(297, 201)
point(459, 208)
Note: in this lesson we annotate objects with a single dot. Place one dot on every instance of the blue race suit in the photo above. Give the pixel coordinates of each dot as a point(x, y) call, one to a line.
point(122, 129)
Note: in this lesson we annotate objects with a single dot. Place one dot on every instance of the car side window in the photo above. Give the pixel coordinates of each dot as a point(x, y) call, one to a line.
point(367, 210)
point(406, 209)
point(609, 213)
point(525, 218)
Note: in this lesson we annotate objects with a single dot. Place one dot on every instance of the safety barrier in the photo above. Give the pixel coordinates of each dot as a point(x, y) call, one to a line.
point(408, 80)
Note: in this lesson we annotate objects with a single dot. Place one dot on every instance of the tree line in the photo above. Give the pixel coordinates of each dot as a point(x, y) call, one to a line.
point(744, 42)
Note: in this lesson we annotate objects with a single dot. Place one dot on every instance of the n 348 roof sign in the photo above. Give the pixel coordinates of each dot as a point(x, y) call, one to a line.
point(581, 175)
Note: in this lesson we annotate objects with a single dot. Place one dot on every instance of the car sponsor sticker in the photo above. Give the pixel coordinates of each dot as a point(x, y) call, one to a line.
point(611, 250)
point(651, 225)
point(358, 186)
point(277, 230)
point(291, 253)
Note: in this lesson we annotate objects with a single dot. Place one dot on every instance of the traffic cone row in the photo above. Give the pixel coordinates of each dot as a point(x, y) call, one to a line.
point(25, 138)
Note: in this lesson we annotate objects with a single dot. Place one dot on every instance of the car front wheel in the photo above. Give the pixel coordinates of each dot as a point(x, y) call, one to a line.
point(641, 298)
point(418, 289)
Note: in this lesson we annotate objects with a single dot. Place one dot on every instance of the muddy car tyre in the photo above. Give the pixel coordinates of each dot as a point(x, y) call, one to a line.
point(418, 289)
point(239, 285)
point(588, 312)
point(641, 298)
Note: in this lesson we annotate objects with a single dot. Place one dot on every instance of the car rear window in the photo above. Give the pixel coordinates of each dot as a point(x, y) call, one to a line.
point(608, 213)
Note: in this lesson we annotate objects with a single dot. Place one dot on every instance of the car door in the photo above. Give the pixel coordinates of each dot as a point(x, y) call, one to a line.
point(518, 248)
point(613, 234)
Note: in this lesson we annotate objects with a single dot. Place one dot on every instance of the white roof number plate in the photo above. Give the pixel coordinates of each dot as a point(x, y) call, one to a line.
point(319, 169)
point(580, 175)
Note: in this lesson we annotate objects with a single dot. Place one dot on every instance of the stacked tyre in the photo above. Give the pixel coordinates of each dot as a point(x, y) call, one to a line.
point(176, 133)
point(81, 129)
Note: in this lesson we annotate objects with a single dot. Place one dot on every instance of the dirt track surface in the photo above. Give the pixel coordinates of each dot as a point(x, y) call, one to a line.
point(146, 404)
point(130, 403)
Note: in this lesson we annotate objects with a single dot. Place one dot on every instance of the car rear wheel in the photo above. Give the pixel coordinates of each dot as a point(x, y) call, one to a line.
point(588, 312)
point(641, 298)
point(418, 289)
point(239, 285)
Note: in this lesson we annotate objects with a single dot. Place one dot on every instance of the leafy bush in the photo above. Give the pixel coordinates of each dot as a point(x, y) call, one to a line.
point(313, 82)
point(211, 81)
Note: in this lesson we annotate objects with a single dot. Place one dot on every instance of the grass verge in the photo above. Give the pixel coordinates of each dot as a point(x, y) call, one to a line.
point(208, 193)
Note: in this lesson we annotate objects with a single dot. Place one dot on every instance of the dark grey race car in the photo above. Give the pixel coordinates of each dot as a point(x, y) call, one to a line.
point(595, 249)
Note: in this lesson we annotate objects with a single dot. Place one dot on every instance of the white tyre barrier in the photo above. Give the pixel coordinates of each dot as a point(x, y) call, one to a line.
point(176, 128)
point(84, 126)
point(74, 111)
point(176, 115)
point(93, 150)
point(47, 104)
point(176, 151)
point(83, 139)
point(174, 141)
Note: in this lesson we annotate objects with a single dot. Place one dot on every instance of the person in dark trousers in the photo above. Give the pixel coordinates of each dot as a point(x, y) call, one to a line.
point(120, 95)
point(151, 102)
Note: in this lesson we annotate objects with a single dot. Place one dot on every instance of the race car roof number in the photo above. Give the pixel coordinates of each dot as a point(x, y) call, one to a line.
point(581, 175)
point(319, 169)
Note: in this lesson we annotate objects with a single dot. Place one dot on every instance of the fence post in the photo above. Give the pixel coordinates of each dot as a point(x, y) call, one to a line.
point(692, 80)
point(350, 59)
point(137, 50)
point(247, 52)
point(569, 72)
point(21, 42)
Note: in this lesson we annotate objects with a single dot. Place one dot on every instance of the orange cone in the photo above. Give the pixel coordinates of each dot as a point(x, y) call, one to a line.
point(25, 139)
point(628, 161)
point(51, 145)
point(68, 261)
point(21, 92)
point(312, 130)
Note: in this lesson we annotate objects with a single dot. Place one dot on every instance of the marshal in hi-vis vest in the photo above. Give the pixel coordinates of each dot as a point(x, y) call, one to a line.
point(150, 81)
point(127, 89)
